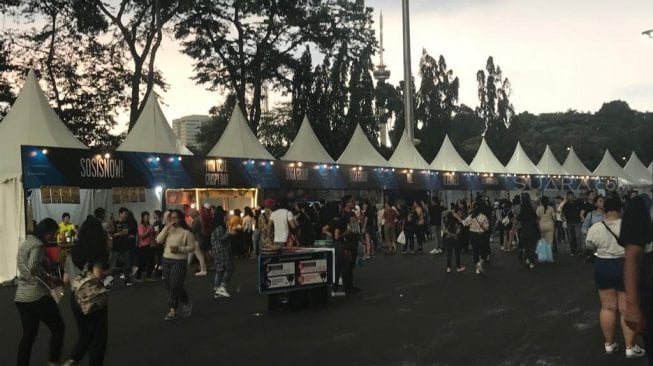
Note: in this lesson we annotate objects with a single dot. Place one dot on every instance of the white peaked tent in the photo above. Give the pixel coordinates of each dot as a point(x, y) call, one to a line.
point(638, 171)
point(608, 167)
point(238, 140)
point(30, 121)
point(549, 164)
point(485, 161)
point(448, 159)
point(307, 147)
point(650, 167)
point(520, 163)
point(407, 156)
point(573, 165)
point(152, 133)
point(360, 151)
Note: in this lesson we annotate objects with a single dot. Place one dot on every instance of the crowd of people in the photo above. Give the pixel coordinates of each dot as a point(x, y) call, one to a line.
point(162, 245)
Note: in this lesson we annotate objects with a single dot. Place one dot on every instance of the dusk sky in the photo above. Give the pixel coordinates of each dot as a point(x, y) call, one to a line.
point(558, 54)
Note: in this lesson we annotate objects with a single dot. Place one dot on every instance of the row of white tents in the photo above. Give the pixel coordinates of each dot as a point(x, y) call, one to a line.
point(31, 121)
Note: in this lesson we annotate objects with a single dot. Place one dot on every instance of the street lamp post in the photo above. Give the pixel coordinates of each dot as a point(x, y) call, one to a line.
point(408, 85)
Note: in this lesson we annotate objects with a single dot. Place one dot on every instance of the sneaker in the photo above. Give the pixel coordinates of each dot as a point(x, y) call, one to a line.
point(434, 251)
point(403, 252)
point(531, 266)
point(448, 270)
point(338, 293)
point(122, 276)
point(172, 314)
point(69, 362)
point(366, 257)
point(479, 268)
point(128, 283)
point(221, 292)
point(634, 352)
point(461, 269)
point(186, 309)
point(138, 280)
point(611, 348)
point(200, 273)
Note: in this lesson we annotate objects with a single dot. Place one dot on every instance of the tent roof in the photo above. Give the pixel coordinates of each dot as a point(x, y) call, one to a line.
point(638, 171)
point(520, 163)
point(360, 151)
point(238, 140)
point(31, 121)
point(448, 159)
point(549, 164)
point(573, 165)
point(485, 161)
point(608, 167)
point(407, 156)
point(152, 132)
point(307, 147)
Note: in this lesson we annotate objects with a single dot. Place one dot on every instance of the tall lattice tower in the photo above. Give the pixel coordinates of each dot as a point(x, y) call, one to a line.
point(382, 74)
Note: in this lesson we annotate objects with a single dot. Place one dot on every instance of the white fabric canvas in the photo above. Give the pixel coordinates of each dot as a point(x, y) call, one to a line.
point(406, 155)
point(520, 163)
point(573, 165)
point(485, 161)
point(152, 132)
point(608, 167)
point(360, 151)
point(238, 140)
point(549, 164)
point(447, 159)
point(638, 171)
point(307, 147)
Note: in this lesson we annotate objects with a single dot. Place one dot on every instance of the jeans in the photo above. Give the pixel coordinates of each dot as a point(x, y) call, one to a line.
point(31, 315)
point(92, 335)
point(573, 233)
point(222, 278)
point(436, 231)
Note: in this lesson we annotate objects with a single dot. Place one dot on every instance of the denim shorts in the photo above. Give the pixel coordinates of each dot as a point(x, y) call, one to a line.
point(609, 273)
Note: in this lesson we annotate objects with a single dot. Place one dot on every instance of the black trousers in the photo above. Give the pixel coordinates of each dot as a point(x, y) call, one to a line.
point(453, 247)
point(92, 334)
point(31, 315)
point(145, 261)
point(349, 262)
point(174, 273)
point(480, 246)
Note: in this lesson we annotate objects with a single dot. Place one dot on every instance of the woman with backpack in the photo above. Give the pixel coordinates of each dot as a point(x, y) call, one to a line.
point(85, 269)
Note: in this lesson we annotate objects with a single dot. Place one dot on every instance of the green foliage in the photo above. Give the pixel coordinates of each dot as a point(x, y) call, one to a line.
point(7, 97)
point(240, 45)
point(436, 101)
point(495, 109)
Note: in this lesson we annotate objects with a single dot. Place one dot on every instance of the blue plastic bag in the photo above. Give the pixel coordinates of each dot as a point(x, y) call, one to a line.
point(544, 251)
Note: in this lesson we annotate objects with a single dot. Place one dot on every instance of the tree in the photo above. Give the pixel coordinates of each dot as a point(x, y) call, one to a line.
point(139, 26)
point(83, 77)
point(436, 100)
point(274, 132)
point(7, 96)
point(361, 99)
point(302, 83)
point(240, 45)
point(495, 108)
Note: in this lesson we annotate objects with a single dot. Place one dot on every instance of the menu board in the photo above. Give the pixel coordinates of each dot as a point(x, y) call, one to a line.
point(51, 195)
point(128, 195)
point(296, 270)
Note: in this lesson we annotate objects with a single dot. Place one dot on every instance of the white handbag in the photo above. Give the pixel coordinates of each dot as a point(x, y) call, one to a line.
point(401, 239)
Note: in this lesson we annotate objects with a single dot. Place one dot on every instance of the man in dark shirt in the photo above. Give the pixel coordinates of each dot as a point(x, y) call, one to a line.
point(435, 212)
point(637, 237)
point(571, 212)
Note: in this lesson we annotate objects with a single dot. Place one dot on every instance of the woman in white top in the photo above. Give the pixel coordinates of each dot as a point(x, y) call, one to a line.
point(546, 219)
point(608, 275)
point(479, 225)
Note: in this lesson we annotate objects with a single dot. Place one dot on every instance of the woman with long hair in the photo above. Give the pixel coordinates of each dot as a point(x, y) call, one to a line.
point(145, 248)
point(178, 242)
point(602, 237)
point(546, 217)
point(33, 300)
point(89, 255)
point(528, 230)
point(479, 226)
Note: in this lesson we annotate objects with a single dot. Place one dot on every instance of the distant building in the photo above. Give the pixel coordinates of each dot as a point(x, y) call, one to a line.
point(186, 128)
